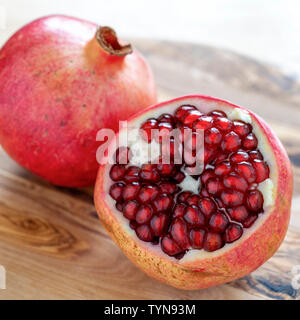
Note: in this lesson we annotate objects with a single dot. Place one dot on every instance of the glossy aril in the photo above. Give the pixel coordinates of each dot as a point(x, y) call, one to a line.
point(148, 193)
point(234, 181)
point(241, 128)
point(218, 222)
point(238, 214)
point(130, 191)
point(116, 191)
point(130, 209)
point(261, 170)
point(143, 214)
point(144, 233)
point(233, 232)
point(213, 241)
point(194, 217)
point(159, 223)
point(147, 128)
point(169, 246)
point(197, 238)
point(254, 200)
point(250, 142)
point(207, 206)
point(179, 233)
point(117, 172)
point(231, 142)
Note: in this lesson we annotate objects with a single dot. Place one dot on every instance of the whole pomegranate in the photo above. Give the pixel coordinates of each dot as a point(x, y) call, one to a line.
point(193, 229)
point(61, 80)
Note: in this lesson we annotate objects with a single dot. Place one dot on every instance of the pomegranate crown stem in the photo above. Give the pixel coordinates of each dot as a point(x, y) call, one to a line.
point(108, 40)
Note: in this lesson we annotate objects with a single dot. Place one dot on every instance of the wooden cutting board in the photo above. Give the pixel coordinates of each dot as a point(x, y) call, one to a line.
point(52, 244)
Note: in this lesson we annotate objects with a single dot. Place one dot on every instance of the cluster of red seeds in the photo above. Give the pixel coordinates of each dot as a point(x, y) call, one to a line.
point(228, 200)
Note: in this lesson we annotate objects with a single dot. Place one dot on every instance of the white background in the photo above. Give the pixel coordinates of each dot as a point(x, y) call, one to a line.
point(265, 29)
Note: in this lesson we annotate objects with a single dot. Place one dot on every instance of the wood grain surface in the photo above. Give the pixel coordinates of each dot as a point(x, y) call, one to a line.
point(52, 244)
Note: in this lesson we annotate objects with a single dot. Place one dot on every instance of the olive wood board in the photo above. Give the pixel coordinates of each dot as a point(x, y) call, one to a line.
point(52, 244)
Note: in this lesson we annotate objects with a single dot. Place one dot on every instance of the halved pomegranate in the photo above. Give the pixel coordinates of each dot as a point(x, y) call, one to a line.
point(204, 229)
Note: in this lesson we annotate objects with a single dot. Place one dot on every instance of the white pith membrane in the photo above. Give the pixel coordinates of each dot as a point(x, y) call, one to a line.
point(205, 105)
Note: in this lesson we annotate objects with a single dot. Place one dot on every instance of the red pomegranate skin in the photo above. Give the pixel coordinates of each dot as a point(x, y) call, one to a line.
point(58, 87)
point(222, 267)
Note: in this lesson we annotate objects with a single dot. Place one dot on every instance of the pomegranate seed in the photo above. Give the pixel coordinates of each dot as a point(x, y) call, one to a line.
point(261, 169)
point(238, 213)
point(220, 158)
point(192, 200)
point(190, 117)
point(159, 223)
point(179, 176)
point(250, 220)
point(129, 209)
point(116, 190)
point(255, 154)
point(163, 203)
point(132, 174)
point(169, 246)
point(170, 149)
point(133, 224)
point(212, 136)
point(203, 123)
point(194, 141)
point(250, 142)
point(239, 156)
point(233, 232)
point(117, 172)
point(232, 198)
point(166, 117)
point(147, 194)
point(206, 175)
point(165, 169)
point(204, 193)
point(182, 197)
point(179, 233)
point(167, 126)
point(254, 201)
point(131, 190)
point(143, 214)
point(148, 126)
point(119, 206)
point(222, 168)
point(246, 170)
point(241, 128)
point(149, 173)
point(212, 241)
point(235, 181)
point(168, 187)
point(180, 112)
point(144, 233)
point(218, 222)
point(217, 113)
point(231, 142)
point(222, 124)
point(194, 217)
point(123, 155)
point(213, 186)
point(209, 154)
point(197, 238)
point(179, 210)
point(207, 206)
